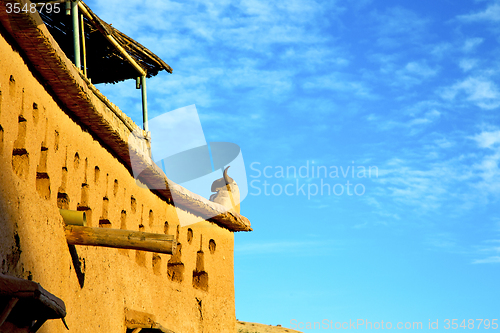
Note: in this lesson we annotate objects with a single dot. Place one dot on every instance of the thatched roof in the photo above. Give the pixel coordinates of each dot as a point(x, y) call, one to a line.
point(105, 62)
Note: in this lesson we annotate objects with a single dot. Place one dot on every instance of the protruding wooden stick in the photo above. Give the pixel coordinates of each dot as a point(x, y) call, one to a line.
point(122, 239)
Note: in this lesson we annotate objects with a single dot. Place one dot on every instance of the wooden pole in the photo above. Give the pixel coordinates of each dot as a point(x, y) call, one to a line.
point(84, 48)
point(76, 33)
point(144, 104)
point(122, 239)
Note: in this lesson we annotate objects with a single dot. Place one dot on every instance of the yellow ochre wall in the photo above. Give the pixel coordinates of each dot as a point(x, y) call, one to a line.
point(47, 160)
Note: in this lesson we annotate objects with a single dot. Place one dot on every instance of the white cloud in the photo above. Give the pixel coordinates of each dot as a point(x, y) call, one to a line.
point(424, 190)
point(490, 173)
point(444, 143)
point(314, 56)
point(471, 43)
point(492, 13)
point(441, 49)
point(489, 260)
point(492, 249)
point(443, 241)
point(412, 73)
point(405, 75)
point(399, 20)
point(467, 64)
point(338, 83)
point(487, 139)
point(412, 122)
point(429, 117)
point(479, 90)
point(487, 166)
point(420, 69)
point(425, 181)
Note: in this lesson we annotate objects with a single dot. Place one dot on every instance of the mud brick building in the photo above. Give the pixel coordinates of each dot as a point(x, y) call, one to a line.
point(63, 145)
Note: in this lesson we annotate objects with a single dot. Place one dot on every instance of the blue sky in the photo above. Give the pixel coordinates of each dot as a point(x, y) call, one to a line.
point(408, 87)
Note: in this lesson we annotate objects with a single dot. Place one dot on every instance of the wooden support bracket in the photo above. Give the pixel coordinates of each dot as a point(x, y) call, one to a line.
point(122, 239)
point(137, 321)
point(26, 304)
point(8, 309)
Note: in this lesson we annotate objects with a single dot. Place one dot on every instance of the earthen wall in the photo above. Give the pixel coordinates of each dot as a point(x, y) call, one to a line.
point(48, 160)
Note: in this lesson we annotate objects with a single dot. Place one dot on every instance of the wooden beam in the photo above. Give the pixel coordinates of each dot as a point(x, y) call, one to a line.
point(127, 56)
point(34, 298)
point(122, 239)
point(8, 308)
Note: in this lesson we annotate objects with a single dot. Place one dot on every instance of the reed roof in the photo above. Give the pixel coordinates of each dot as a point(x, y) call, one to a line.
point(105, 62)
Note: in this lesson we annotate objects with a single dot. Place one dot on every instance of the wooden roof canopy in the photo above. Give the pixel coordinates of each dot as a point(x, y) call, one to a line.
point(105, 62)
